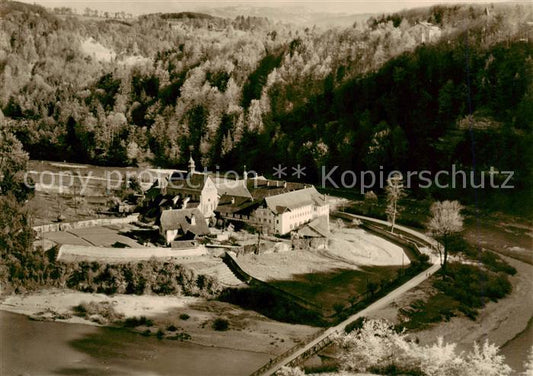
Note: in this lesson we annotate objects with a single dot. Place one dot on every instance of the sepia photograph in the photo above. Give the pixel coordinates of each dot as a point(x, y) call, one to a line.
point(266, 188)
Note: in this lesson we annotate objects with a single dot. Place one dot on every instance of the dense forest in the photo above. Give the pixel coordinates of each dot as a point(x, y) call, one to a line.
point(420, 89)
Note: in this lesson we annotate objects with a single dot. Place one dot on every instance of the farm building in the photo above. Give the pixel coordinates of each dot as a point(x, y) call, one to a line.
point(182, 225)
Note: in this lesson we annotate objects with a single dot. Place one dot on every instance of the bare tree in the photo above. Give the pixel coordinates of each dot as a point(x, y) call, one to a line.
point(446, 220)
point(394, 194)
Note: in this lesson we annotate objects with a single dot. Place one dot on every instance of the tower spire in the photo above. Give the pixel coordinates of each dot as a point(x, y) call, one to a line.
point(192, 165)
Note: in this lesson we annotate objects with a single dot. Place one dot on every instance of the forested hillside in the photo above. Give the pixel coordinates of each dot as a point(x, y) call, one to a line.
point(411, 90)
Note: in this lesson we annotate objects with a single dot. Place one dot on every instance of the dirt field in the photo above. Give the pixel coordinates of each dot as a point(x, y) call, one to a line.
point(348, 249)
point(357, 246)
point(100, 236)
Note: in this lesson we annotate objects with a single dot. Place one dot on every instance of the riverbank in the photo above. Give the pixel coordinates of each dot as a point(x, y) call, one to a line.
point(498, 322)
point(48, 348)
point(247, 330)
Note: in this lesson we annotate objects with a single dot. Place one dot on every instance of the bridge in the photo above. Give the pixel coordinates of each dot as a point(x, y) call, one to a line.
point(298, 354)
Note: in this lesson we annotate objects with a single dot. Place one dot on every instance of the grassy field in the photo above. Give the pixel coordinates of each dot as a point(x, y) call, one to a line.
point(337, 287)
point(47, 207)
point(82, 195)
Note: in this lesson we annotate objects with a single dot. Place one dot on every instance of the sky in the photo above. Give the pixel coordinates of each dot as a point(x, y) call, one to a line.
point(345, 7)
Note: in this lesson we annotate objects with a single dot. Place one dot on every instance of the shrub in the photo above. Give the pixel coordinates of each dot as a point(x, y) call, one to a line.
point(355, 325)
point(489, 259)
point(465, 289)
point(172, 328)
point(184, 316)
point(104, 310)
point(423, 259)
point(80, 309)
point(495, 263)
point(393, 369)
point(119, 245)
point(132, 322)
point(338, 307)
point(220, 324)
point(180, 337)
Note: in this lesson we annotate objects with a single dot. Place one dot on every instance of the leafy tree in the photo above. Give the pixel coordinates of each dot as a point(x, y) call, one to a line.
point(220, 324)
point(13, 162)
point(289, 371)
point(375, 344)
point(367, 96)
point(485, 360)
point(446, 220)
point(254, 85)
point(377, 347)
point(371, 200)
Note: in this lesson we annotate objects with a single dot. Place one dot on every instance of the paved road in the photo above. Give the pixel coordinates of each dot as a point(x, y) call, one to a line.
point(415, 233)
point(379, 304)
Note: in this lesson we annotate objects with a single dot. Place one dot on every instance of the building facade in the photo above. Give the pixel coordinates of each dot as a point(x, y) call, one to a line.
point(279, 213)
point(193, 190)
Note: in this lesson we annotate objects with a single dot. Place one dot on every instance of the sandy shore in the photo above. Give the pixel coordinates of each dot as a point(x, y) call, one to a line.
point(248, 330)
point(62, 301)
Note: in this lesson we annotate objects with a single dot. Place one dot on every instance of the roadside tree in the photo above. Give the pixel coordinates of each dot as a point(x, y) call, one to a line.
point(446, 220)
point(395, 191)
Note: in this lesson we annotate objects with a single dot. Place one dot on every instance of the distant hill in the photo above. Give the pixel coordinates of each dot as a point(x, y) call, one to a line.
point(293, 15)
point(180, 15)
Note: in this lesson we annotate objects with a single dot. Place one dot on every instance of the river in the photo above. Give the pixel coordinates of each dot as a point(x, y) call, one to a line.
point(517, 349)
point(55, 348)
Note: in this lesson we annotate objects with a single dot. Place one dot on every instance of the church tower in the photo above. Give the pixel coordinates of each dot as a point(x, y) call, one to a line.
point(192, 165)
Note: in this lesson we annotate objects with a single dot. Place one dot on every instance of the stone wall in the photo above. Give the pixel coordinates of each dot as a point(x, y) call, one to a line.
point(54, 227)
